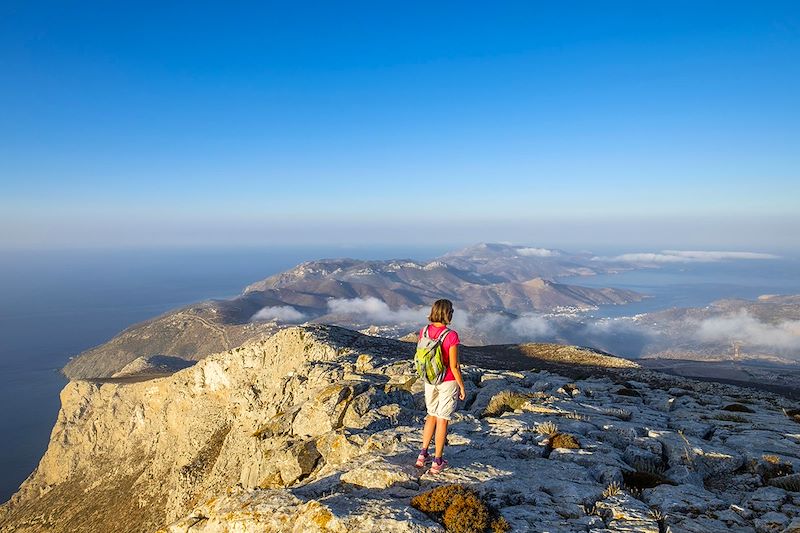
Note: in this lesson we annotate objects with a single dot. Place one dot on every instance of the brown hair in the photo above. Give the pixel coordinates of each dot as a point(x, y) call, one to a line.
point(441, 311)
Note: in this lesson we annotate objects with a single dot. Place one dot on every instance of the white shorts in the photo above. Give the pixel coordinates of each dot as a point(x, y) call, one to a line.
point(440, 400)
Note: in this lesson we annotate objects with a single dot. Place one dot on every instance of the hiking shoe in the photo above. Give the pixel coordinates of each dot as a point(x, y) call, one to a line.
point(436, 468)
point(422, 459)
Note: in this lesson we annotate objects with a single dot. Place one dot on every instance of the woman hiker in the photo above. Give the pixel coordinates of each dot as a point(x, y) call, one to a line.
point(440, 400)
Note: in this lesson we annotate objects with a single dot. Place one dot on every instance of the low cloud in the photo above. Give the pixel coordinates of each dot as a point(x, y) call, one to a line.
point(498, 328)
point(281, 313)
point(684, 256)
point(376, 311)
point(537, 252)
point(744, 327)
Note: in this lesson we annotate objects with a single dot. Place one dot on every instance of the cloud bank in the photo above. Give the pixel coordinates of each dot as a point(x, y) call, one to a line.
point(376, 311)
point(537, 252)
point(281, 313)
point(497, 327)
point(742, 326)
point(684, 256)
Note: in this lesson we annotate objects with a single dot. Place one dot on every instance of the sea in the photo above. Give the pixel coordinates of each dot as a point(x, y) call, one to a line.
point(55, 304)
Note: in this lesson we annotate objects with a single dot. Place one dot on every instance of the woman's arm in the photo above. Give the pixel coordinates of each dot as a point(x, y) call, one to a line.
point(456, 368)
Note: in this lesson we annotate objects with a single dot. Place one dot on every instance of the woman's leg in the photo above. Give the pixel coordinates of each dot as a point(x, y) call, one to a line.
point(427, 432)
point(441, 435)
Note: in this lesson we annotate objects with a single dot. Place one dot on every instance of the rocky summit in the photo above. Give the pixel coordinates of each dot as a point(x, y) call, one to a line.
point(316, 428)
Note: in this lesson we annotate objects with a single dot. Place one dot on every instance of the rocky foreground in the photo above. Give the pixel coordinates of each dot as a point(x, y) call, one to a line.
point(316, 429)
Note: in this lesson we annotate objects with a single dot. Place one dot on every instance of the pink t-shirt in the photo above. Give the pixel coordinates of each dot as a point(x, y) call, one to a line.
point(450, 340)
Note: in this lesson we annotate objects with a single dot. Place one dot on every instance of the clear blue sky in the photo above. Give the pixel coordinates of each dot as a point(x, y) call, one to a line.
point(661, 123)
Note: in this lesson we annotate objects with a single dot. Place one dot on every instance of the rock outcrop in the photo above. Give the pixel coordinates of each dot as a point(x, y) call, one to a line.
point(316, 429)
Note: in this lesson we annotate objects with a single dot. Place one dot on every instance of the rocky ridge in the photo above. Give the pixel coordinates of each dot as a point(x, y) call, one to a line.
point(316, 429)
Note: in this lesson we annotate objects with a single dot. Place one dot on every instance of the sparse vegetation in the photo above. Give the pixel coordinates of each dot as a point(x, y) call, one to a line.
point(564, 440)
point(574, 415)
point(613, 489)
point(505, 401)
point(460, 509)
point(661, 520)
point(547, 428)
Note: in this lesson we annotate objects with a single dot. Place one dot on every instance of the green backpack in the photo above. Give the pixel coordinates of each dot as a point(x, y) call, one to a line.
point(429, 358)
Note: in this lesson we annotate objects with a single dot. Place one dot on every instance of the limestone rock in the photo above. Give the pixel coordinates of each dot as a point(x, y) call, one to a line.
point(317, 428)
point(378, 473)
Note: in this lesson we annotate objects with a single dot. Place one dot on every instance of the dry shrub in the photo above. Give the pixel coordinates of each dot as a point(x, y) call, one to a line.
point(737, 408)
point(505, 401)
point(564, 440)
point(575, 415)
point(612, 489)
point(460, 509)
point(547, 428)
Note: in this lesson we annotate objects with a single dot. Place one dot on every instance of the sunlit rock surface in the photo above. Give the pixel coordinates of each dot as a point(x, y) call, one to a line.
point(316, 429)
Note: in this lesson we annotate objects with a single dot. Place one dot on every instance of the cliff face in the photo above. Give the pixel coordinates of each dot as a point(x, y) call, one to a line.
point(316, 429)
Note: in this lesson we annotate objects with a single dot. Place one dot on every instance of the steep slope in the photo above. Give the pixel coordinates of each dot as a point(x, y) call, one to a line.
point(315, 429)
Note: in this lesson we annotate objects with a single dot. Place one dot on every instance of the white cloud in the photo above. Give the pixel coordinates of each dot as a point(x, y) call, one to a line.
point(281, 313)
point(742, 326)
point(684, 256)
point(498, 328)
point(376, 311)
point(537, 252)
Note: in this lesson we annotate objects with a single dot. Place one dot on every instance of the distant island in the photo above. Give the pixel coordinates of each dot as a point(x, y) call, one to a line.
point(503, 294)
point(393, 295)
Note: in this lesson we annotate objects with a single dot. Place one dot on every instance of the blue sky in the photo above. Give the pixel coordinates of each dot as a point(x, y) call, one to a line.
point(633, 123)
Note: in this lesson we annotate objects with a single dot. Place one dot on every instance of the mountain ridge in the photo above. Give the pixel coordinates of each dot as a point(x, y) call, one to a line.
point(306, 291)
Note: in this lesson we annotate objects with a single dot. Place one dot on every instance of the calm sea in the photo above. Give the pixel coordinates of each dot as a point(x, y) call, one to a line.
point(55, 304)
point(698, 284)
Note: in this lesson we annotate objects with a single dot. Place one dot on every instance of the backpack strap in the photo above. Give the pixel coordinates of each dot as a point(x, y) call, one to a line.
point(424, 332)
point(443, 334)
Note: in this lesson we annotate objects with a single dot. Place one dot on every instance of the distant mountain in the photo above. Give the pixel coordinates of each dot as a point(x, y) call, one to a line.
point(521, 263)
point(486, 278)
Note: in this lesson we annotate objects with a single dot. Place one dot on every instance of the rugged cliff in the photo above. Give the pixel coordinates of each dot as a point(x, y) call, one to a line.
point(316, 429)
